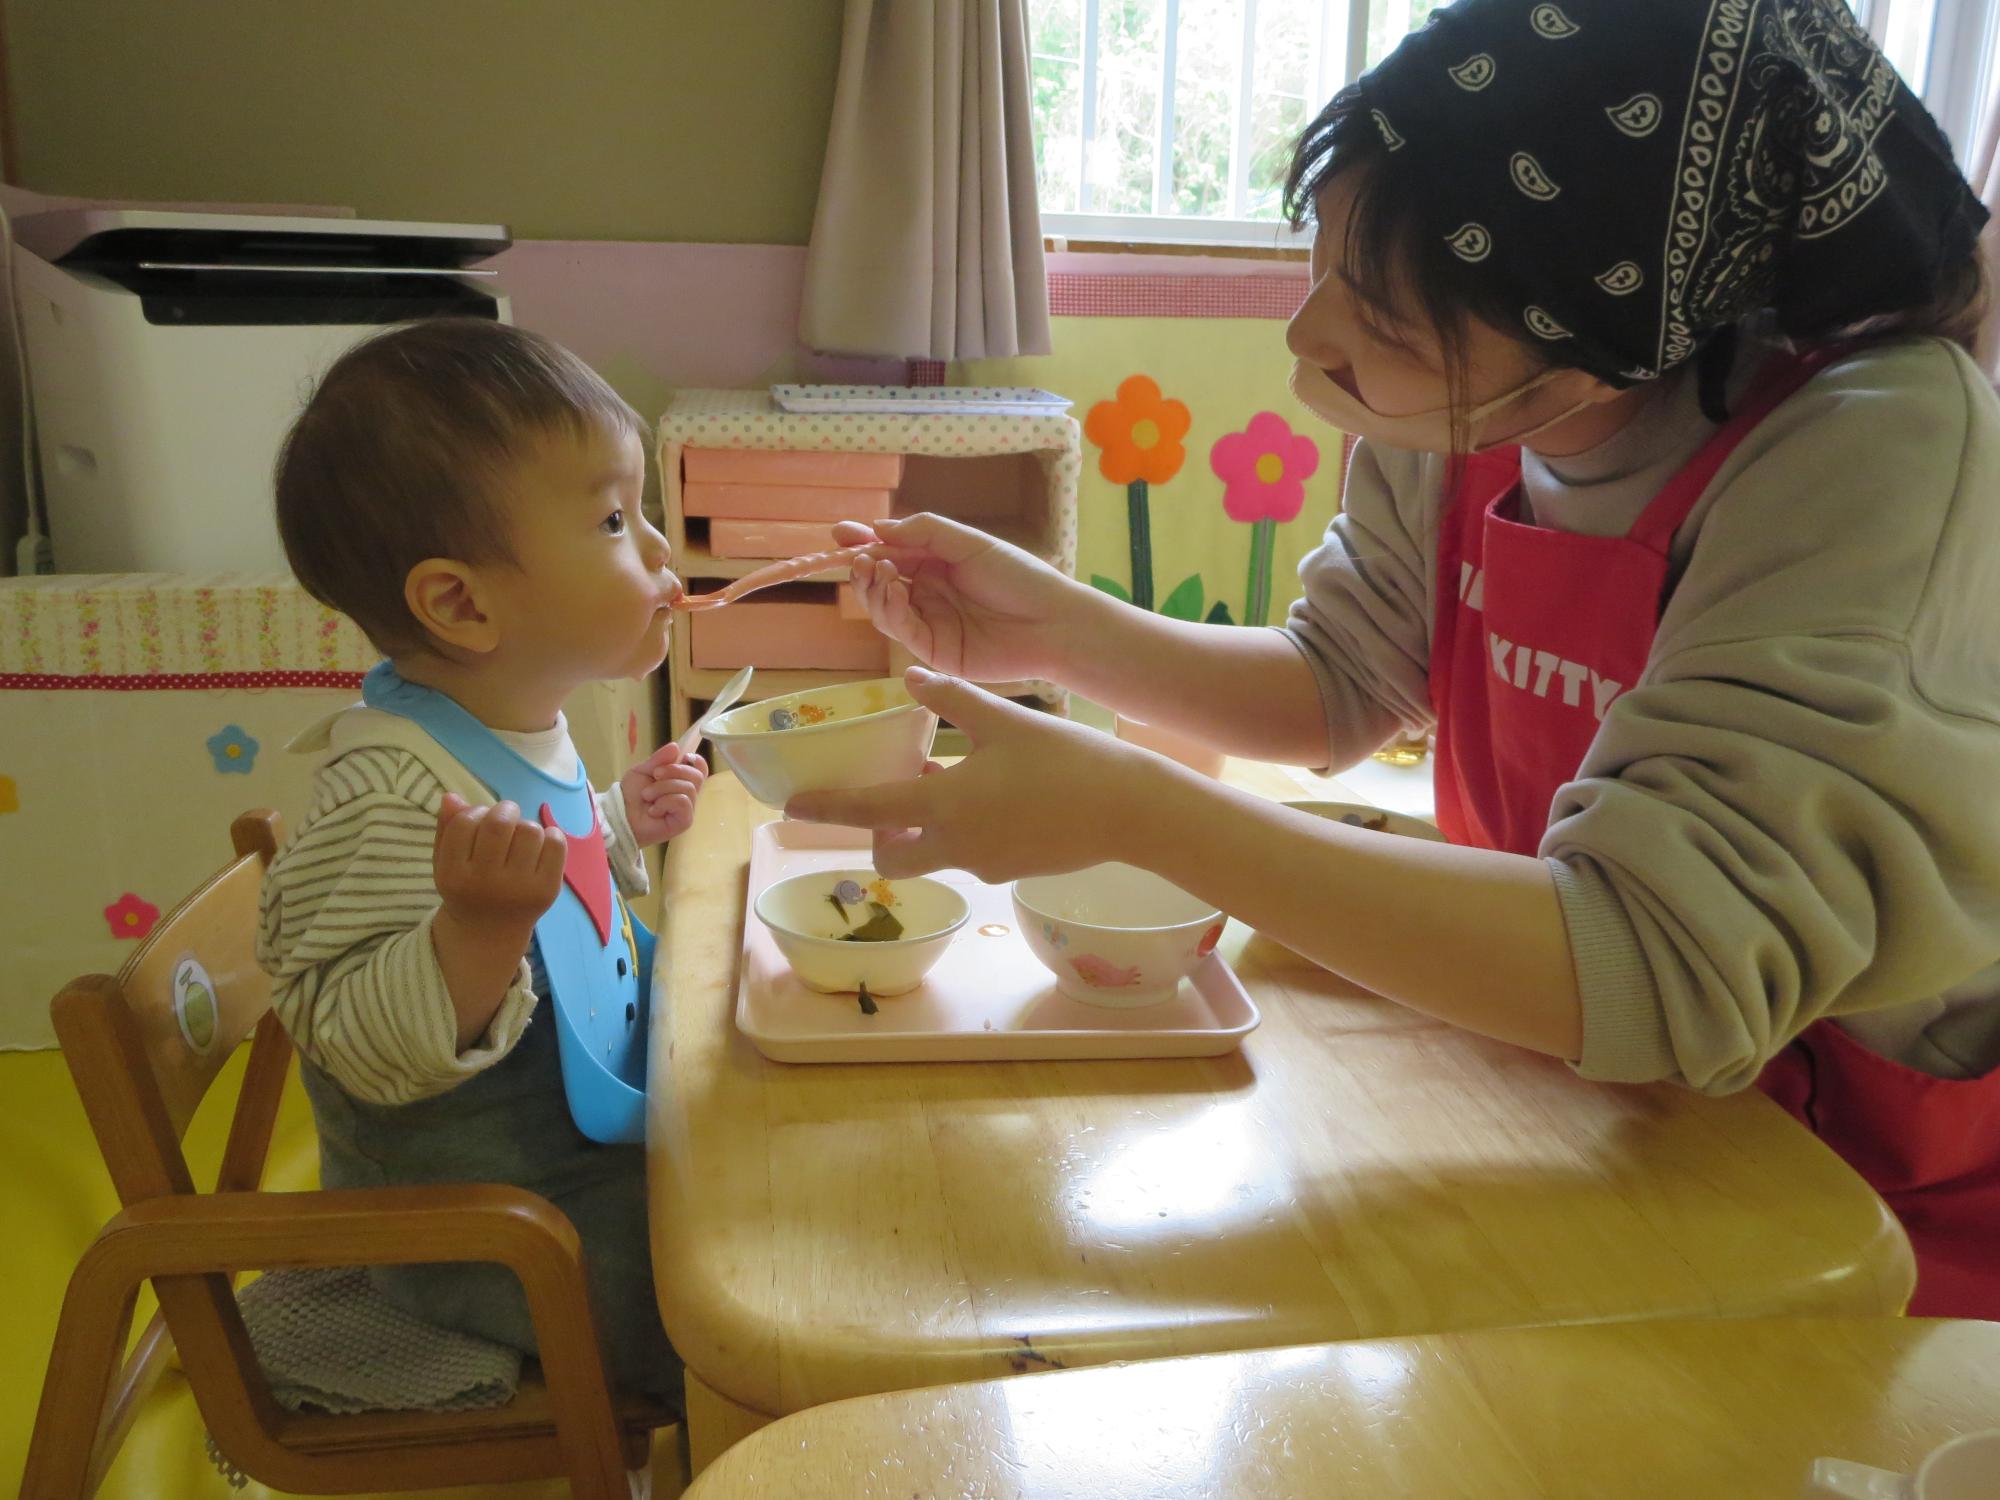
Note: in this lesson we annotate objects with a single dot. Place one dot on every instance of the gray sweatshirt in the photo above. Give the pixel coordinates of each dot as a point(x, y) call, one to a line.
point(1795, 812)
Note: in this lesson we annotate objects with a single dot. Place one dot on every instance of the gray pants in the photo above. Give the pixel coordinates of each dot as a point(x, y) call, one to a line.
point(510, 1124)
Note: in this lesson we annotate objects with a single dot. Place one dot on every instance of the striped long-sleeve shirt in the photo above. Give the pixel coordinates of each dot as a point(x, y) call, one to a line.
point(345, 935)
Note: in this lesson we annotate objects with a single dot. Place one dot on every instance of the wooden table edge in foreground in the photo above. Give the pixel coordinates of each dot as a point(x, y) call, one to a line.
point(1638, 1410)
point(726, 1215)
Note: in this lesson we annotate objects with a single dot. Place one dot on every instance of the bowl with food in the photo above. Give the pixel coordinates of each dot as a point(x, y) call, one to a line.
point(1116, 935)
point(850, 931)
point(829, 738)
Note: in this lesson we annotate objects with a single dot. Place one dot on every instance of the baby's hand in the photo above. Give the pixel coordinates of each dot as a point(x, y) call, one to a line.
point(660, 793)
point(496, 872)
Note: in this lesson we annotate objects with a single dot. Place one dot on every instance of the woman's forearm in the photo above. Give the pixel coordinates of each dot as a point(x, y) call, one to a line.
point(1473, 937)
point(1245, 692)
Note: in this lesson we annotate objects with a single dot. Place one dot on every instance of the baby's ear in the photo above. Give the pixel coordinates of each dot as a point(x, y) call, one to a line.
point(445, 597)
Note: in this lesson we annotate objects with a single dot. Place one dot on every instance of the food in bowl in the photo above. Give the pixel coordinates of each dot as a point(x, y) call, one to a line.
point(808, 714)
point(1116, 935)
point(882, 924)
point(831, 738)
point(851, 931)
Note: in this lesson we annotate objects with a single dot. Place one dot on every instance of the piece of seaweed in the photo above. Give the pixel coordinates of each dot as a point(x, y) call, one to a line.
point(880, 928)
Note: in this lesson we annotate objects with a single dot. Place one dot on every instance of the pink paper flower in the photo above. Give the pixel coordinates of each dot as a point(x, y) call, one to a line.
point(1264, 469)
point(131, 917)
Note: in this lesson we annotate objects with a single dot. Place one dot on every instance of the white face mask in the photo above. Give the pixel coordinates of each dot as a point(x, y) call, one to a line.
point(1421, 431)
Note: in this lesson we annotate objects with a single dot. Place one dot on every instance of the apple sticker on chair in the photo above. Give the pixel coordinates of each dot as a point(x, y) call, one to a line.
point(194, 1004)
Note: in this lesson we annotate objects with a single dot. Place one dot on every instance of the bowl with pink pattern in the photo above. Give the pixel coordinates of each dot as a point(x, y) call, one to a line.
point(1116, 935)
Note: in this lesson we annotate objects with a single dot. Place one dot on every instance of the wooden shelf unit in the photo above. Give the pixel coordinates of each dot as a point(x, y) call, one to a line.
point(1013, 476)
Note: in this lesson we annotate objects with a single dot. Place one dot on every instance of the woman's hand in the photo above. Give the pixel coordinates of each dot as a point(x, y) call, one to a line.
point(1038, 795)
point(961, 601)
point(1470, 936)
point(970, 605)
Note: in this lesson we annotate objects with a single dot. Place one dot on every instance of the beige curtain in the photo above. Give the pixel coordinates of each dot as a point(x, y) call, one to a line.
point(927, 242)
point(1985, 178)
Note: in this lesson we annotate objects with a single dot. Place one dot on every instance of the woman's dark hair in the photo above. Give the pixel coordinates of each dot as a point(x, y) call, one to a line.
point(1399, 266)
point(1404, 275)
point(1955, 314)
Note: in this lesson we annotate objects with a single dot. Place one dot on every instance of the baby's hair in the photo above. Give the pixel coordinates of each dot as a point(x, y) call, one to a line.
point(404, 453)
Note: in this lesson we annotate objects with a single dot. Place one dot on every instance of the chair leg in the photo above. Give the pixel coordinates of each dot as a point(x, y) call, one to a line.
point(89, 1346)
point(142, 1372)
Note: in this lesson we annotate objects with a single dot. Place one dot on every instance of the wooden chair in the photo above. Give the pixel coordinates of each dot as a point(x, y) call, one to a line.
point(141, 1081)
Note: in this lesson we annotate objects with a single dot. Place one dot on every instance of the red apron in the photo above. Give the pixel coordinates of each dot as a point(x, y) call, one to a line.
point(1538, 632)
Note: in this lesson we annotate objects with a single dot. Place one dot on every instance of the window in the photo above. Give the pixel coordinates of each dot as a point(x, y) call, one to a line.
point(1174, 119)
point(1945, 51)
point(1170, 120)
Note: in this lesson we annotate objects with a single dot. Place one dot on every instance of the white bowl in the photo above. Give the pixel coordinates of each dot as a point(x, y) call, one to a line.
point(1115, 935)
point(875, 732)
point(800, 913)
point(1361, 815)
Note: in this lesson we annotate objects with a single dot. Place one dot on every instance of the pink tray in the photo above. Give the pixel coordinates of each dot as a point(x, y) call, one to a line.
point(988, 998)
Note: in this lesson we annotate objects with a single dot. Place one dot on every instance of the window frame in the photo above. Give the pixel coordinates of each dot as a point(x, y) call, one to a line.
point(1960, 71)
point(1338, 53)
point(1961, 75)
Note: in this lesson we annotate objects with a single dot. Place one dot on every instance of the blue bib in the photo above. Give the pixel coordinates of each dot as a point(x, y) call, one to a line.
point(597, 958)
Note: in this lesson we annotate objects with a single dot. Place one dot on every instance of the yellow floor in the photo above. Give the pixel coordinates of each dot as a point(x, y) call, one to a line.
point(56, 1198)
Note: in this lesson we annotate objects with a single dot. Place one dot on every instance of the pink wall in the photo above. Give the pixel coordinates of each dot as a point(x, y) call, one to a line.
point(652, 317)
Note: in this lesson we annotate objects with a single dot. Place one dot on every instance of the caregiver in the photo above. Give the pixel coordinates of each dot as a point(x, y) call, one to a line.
point(1676, 512)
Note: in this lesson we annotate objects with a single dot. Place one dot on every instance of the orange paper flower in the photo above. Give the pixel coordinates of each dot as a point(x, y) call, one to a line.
point(1140, 432)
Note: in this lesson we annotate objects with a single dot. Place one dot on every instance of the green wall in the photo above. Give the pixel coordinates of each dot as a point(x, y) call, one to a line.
point(692, 120)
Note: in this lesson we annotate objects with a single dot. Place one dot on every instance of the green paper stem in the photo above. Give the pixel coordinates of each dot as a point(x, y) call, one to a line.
point(1263, 543)
point(1140, 518)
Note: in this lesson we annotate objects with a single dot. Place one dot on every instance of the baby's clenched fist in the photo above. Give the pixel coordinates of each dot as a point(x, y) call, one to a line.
point(494, 869)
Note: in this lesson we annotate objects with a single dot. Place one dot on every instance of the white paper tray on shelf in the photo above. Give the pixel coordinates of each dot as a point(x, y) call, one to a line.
point(988, 998)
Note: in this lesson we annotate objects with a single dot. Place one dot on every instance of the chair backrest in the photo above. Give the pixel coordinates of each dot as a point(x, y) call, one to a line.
point(145, 1047)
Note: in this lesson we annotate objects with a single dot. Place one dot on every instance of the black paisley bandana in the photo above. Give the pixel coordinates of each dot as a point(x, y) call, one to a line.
point(1640, 174)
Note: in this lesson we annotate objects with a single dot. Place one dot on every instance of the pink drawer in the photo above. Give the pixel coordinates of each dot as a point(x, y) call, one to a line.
point(847, 471)
point(786, 502)
point(768, 538)
point(785, 636)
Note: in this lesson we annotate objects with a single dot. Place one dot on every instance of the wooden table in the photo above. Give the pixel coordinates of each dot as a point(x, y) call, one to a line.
point(1356, 1171)
point(1677, 1411)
